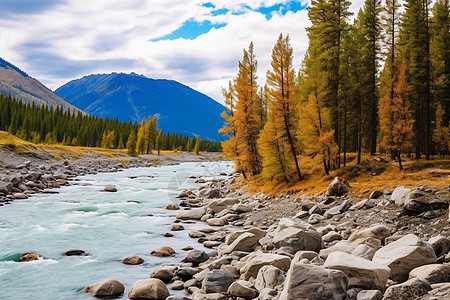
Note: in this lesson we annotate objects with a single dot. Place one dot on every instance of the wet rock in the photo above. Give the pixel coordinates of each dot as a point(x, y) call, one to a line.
point(269, 277)
point(183, 194)
point(215, 222)
point(311, 282)
point(19, 196)
point(361, 273)
point(411, 289)
point(167, 234)
point(404, 255)
point(195, 257)
point(149, 289)
point(177, 285)
point(196, 234)
point(30, 257)
point(163, 251)
point(132, 260)
point(108, 287)
point(211, 244)
point(186, 273)
point(172, 206)
point(244, 289)
point(296, 234)
point(164, 273)
point(74, 252)
point(176, 227)
point(110, 188)
point(217, 281)
point(434, 273)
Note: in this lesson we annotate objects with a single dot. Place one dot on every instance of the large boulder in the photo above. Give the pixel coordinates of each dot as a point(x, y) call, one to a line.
point(411, 289)
point(380, 232)
point(217, 281)
point(195, 257)
point(434, 273)
point(404, 255)
point(246, 242)
point(243, 289)
point(296, 234)
point(269, 277)
point(108, 287)
point(337, 188)
point(256, 231)
point(311, 282)
point(132, 260)
point(251, 268)
point(149, 289)
point(194, 214)
point(162, 251)
point(361, 273)
point(163, 273)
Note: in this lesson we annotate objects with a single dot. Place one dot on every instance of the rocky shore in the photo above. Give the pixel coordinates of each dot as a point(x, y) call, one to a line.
point(392, 245)
point(38, 171)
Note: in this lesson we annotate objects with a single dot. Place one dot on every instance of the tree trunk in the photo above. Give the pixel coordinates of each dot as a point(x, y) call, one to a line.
point(399, 161)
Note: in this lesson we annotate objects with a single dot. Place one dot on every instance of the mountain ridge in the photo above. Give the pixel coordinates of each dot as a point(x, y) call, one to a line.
point(130, 97)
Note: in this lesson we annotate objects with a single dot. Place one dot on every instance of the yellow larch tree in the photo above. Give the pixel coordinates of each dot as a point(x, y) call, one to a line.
point(315, 132)
point(246, 119)
point(283, 103)
point(396, 124)
point(141, 138)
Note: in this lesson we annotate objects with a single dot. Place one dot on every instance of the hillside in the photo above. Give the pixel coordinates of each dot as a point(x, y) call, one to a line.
point(18, 84)
point(130, 97)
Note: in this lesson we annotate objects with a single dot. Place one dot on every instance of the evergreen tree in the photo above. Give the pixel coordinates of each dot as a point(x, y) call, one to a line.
point(283, 100)
point(441, 133)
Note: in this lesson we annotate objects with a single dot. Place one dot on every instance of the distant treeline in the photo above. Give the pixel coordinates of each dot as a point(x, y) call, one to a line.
point(43, 124)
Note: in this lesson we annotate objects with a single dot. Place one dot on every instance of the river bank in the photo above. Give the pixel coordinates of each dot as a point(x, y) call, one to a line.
point(393, 245)
point(23, 173)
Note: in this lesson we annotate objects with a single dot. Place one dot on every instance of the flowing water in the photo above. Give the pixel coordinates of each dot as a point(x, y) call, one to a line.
point(106, 225)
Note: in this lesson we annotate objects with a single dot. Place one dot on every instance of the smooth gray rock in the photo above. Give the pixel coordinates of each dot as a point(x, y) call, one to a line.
point(244, 289)
point(194, 214)
point(217, 281)
point(369, 295)
point(149, 289)
point(296, 234)
point(195, 257)
point(108, 287)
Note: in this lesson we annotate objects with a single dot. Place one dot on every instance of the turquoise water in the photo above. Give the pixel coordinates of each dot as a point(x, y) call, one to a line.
point(103, 224)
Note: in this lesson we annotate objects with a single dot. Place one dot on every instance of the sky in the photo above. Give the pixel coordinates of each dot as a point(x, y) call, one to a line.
point(198, 43)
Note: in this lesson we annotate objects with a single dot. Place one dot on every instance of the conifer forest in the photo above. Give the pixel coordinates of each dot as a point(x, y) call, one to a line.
point(374, 83)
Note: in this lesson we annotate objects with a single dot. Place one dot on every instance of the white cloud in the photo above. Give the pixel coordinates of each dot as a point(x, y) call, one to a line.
point(100, 36)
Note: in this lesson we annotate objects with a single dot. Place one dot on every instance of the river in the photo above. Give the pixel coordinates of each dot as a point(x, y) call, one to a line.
point(106, 225)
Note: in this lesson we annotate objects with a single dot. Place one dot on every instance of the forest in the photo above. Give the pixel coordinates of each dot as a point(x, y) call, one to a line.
point(42, 124)
point(376, 85)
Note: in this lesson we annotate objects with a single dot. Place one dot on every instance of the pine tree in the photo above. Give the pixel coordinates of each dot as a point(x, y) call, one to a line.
point(197, 146)
point(131, 144)
point(395, 119)
point(246, 120)
point(283, 100)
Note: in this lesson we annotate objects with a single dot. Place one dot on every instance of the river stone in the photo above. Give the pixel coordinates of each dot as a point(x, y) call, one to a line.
point(217, 281)
point(246, 242)
point(176, 227)
point(74, 252)
point(195, 257)
point(269, 277)
point(215, 222)
point(296, 234)
point(337, 188)
point(110, 188)
point(411, 289)
point(149, 289)
point(242, 288)
point(186, 273)
point(194, 214)
point(30, 257)
point(434, 273)
point(163, 273)
point(404, 255)
point(369, 295)
point(132, 260)
point(219, 205)
point(177, 285)
point(380, 232)
point(252, 267)
point(196, 234)
point(256, 231)
point(108, 287)
point(162, 251)
point(361, 273)
point(172, 206)
point(440, 244)
point(311, 282)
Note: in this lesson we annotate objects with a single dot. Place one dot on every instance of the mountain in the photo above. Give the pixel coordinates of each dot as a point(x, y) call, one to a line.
point(18, 84)
point(130, 97)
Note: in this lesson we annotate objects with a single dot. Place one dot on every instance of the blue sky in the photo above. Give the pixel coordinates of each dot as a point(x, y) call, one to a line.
point(198, 43)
